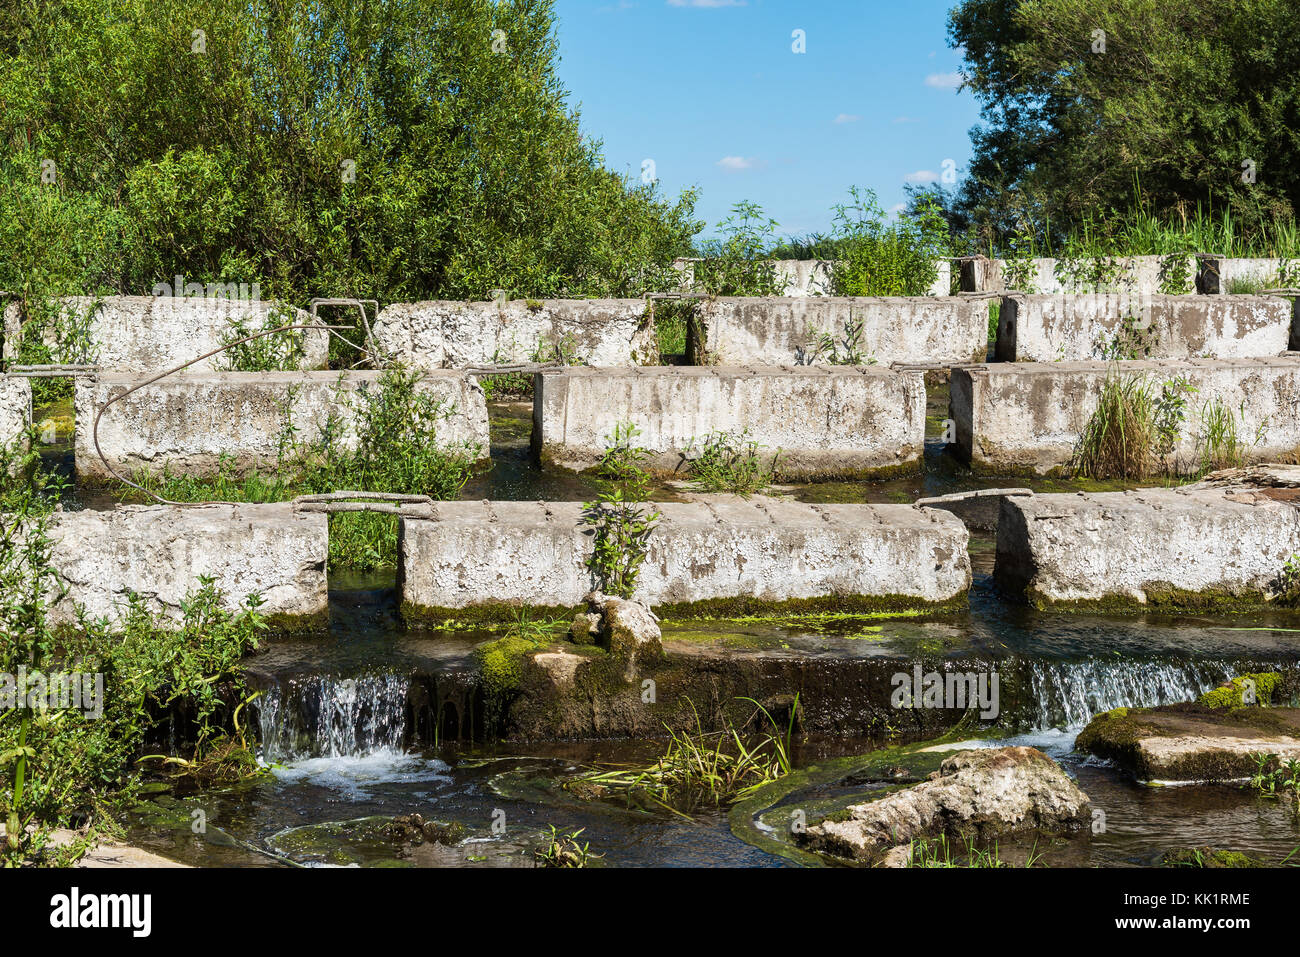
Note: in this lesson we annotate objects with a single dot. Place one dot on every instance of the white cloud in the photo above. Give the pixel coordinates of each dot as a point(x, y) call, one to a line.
point(847, 118)
point(733, 164)
point(708, 3)
point(944, 81)
point(922, 177)
point(897, 208)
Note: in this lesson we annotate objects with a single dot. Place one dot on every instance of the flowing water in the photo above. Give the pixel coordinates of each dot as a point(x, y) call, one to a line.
point(373, 720)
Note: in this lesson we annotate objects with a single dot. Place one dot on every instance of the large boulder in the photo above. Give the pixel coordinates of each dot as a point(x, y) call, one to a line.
point(974, 795)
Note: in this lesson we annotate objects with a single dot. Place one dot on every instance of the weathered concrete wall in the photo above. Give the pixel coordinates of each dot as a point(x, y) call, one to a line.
point(812, 277)
point(491, 558)
point(1028, 417)
point(452, 335)
point(827, 420)
point(15, 408)
point(733, 331)
point(1189, 546)
point(186, 423)
point(804, 277)
point(159, 552)
point(1217, 275)
point(1137, 275)
point(1085, 327)
point(153, 333)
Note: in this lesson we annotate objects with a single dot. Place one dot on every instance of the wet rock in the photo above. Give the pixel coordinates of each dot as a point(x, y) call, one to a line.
point(627, 629)
point(414, 829)
point(974, 795)
point(1192, 742)
point(1208, 857)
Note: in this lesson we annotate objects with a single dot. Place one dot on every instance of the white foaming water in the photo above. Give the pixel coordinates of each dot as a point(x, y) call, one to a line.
point(358, 778)
point(1069, 694)
point(327, 716)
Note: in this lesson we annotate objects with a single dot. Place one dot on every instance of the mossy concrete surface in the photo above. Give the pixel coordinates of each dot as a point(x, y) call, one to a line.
point(1192, 742)
point(826, 421)
point(1217, 545)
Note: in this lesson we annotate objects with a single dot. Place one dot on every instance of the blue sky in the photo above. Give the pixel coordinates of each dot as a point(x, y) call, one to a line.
point(711, 91)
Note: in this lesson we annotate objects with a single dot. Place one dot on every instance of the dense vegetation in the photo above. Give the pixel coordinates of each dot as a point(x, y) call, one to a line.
point(1195, 105)
point(390, 150)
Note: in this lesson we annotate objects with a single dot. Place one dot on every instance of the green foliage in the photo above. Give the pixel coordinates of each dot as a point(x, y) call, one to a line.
point(1219, 440)
point(381, 151)
point(880, 259)
point(938, 853)
point(1289, 582)
point(845, 349)
point(1019, 272)
point(1183, 95)
point(282, 351)
point(622, 522)
point(1134, 428)
point(730, 462)
point(1274, 777)
point(562, 849)
point(72, 767)
point(1232, 694)
point(739, 263)
point(700, 769)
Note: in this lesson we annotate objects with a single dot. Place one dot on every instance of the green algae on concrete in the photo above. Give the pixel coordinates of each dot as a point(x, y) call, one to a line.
point(738, 607)
point(1190, 742)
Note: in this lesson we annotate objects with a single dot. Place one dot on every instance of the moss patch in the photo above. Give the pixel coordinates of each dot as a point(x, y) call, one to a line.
point(1230, 696)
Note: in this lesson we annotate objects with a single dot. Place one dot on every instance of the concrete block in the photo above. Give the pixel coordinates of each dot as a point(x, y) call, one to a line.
point(467, 559)
point(15, 409)
point(1195, 546)
point(159, 552)
point(1028, 417)
point(921, 329)
point(134, 334)
point(188, 422)
point(1082, 327)
point(452, 335)
point(1135, 275)
point(828, 421)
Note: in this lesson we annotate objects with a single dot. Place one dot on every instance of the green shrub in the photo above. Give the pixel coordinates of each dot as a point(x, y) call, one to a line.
point(622, 522)
point(877, 259)
point(730, 462)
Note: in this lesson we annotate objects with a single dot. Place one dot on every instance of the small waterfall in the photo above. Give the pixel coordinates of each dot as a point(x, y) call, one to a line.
point(331, 716)
point(1069, 693)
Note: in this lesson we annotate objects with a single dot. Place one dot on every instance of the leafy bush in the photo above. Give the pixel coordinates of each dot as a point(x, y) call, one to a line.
point(730, 462)
point(622, 522)
point(877, 259)
point(739, 264)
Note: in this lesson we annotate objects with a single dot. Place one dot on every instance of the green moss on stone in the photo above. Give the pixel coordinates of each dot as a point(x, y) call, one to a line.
point(1230, 696)
point(1208, 857)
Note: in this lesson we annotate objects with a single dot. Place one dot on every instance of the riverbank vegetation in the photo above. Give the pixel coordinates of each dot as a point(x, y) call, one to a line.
point(81, 702)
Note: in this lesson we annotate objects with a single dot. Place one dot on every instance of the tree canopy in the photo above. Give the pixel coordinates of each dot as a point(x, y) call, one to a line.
point(393, 149)
point(1086, 102)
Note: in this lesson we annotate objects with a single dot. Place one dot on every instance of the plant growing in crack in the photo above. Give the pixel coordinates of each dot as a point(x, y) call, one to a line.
point(620, 517)
point(844, 350)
